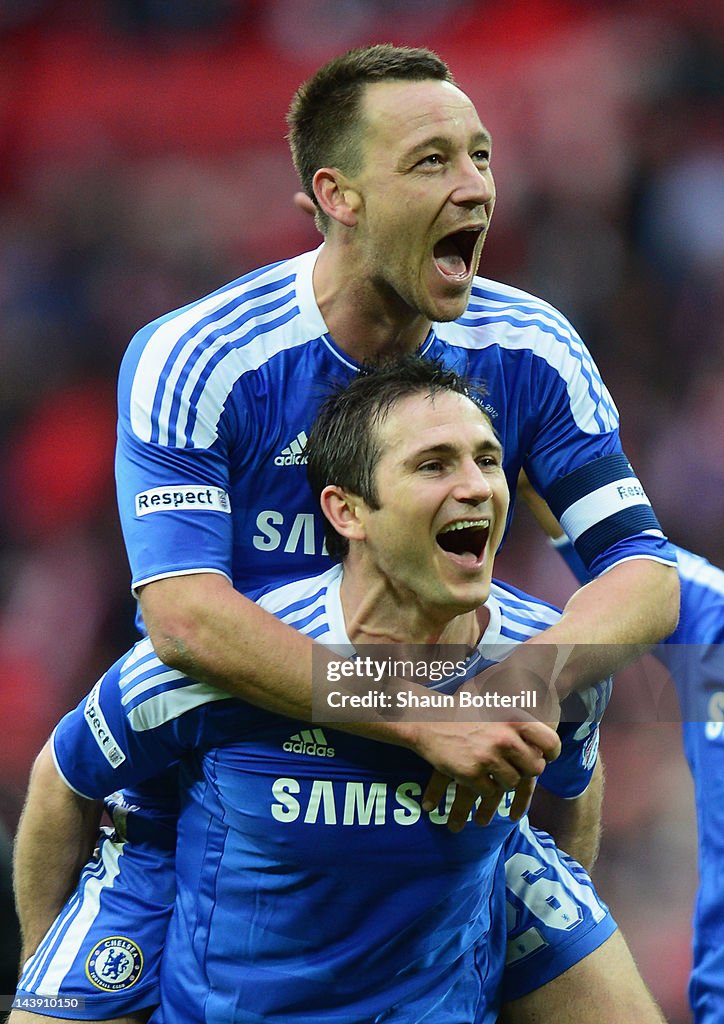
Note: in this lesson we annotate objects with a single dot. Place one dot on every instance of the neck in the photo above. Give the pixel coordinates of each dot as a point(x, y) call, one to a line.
point(365, 317)
point(378, 612)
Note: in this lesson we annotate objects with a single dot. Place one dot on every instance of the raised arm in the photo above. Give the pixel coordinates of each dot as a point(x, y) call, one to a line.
point(613, 620)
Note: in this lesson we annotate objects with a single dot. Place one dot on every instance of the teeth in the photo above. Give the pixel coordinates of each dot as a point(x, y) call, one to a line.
point(466, 524)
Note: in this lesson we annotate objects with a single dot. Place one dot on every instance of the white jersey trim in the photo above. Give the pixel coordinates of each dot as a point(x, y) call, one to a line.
point(177, 572)
point(60, 771)
point(697, 570)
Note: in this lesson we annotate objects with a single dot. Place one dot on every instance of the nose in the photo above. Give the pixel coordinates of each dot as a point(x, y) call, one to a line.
point(474, 185)
point(471, 485)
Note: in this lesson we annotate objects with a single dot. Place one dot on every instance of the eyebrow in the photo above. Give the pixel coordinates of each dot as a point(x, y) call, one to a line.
point(452, 449)
point(443, 142)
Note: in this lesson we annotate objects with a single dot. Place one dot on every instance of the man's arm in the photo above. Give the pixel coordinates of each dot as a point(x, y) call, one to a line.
point(613, 619)
point(56, 835)
point(574, 824)
point(201, 626)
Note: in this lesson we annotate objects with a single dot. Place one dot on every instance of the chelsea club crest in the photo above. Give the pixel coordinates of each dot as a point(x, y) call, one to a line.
point(114, 963)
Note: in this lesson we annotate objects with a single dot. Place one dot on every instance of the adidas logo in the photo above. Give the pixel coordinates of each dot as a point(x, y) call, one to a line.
point(309, 741)
point(292, 454)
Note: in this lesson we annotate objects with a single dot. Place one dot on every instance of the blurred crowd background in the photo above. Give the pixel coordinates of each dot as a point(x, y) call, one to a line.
point(144, 163)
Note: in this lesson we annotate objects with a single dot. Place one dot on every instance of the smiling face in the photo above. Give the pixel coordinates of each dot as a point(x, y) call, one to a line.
point(426, 195)
point(443, 501)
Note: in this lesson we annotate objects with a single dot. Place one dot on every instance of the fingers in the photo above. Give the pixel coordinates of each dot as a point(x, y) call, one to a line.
point(435, 790)
point(490, 761)
point(540, 735)
point(514, 751)
point(465, 800)
point(487, 808)
point(462, 805)
point(522, 798)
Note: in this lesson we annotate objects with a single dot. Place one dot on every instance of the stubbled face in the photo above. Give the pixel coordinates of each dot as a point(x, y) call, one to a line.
point(427, 195)
point(443, 503)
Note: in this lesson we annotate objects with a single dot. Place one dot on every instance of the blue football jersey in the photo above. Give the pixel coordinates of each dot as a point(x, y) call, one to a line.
point(216, 400)
point(301, 824)
point(694, 656)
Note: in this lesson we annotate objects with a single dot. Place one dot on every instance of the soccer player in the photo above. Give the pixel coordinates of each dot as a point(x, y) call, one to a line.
point(694, 656)
point(305, 859)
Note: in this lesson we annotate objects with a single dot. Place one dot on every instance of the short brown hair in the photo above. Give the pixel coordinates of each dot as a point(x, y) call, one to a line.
point(324, 116)
point(343, 447)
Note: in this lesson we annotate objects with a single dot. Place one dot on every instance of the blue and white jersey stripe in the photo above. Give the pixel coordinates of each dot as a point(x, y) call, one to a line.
point(64, 939)
point(191, 361)
point(521, 617)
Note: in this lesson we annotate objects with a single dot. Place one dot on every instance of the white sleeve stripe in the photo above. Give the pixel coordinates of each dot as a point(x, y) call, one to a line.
point(159, 678)
point(602, 503)
point(165, 707)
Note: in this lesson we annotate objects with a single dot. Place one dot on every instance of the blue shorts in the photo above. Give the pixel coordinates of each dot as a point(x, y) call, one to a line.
point(103, 951)
point(101, 957)
point(555, 917)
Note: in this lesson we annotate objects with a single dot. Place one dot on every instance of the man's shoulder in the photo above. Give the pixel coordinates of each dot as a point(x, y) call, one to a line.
point(252, 292)
point(295, 601)
point(179, 371)
point(508, 316)
point(522, 610)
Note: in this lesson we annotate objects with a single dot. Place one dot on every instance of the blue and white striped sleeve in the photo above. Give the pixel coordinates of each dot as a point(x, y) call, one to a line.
point(576, 460)
point(139, 718)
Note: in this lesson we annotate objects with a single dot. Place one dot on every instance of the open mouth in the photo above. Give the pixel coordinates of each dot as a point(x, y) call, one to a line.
point(465, 538)
point(453, 254)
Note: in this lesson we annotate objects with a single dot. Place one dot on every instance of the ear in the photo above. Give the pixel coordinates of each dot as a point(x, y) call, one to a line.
point(343, 510)
point(336, 196)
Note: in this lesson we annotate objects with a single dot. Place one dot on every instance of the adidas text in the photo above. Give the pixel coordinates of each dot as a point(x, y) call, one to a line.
point(308, 748)
point(309, 741)
point(293, 455)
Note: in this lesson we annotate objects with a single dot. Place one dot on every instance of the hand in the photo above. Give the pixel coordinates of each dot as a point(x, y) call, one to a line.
point(485, 759)
point(465, 800)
